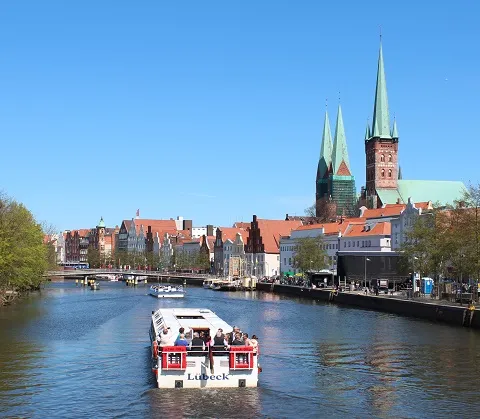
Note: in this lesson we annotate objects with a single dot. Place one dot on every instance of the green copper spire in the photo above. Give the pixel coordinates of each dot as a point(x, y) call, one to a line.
point(340, 153)
point(381, 119)
point(394, 130)
point(326, 150)
point(101, 223)
point(367, 132)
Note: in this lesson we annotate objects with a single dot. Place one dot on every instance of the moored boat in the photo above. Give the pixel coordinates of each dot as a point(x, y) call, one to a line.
point(196, 367)
point(94, 286)
point(167, 291)
point(209, 283)
point(225, 286)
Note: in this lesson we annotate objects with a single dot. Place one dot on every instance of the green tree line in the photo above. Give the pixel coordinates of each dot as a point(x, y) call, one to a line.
point(24, 256)
point(445, 242)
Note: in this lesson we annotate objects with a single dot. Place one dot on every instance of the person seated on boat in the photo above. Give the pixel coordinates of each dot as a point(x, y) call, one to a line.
point(165, 338)
point(181, 341)
point(180, 331)
point(236, 330)
point(197, 343)
point(238, 341)
point(247, 341)
point(254, 342)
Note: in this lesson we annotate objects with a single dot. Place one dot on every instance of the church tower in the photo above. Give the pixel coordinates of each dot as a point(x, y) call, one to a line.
point(325, 162)
point(381, 144)
point(342, 183)
point(101, 238)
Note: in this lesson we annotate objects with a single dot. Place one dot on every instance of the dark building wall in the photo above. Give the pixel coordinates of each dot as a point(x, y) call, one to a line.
point(380, 266)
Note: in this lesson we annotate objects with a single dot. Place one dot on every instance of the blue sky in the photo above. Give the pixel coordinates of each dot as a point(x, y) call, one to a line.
point(214, 110)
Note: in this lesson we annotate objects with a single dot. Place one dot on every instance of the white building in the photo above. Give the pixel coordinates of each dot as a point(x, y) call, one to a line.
point(405, 221)
point(330, 233)
point(366, 238)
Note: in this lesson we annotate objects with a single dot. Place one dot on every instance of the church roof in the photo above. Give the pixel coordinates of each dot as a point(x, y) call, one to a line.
point(437, 191)
point(340, 153)
point(381, 118)
point(325, 160)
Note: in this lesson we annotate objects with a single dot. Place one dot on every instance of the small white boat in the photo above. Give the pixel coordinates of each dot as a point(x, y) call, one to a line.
point(167, 291)
point(106, 277)
point(214, 367)
point(94, 286)
point(209, 283)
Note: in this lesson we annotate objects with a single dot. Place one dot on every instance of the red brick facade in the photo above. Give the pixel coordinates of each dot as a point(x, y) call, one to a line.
point(381, 164)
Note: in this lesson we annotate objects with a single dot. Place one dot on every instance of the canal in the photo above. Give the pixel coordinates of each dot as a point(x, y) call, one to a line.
point(72, 352)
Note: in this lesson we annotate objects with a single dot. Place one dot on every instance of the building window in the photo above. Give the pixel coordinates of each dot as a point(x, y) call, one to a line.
point(383, 172)
point(389, 172)
point(284, 261)
point(382, 157)
point(289, 261)
point(389, 157)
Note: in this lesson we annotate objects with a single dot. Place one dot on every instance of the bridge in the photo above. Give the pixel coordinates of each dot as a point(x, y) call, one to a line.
point(152, 276)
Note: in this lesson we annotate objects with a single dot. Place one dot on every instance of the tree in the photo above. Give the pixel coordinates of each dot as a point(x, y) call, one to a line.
point(310, 254)
point(23, 253)
point(203, 261)
point(93, 257)
point(311, 211)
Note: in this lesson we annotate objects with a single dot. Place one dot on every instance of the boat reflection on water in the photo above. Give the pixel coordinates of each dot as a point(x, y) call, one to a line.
point(225, 402)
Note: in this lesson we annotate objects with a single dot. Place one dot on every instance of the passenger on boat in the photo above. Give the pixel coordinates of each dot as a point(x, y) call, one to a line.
point(197, 343)
point(180, 331)
point(181, 341)
point(238, 340)
point(236, 330)
point(254, 342)
point(165, 338)
point(219, 341)
point(246, 340)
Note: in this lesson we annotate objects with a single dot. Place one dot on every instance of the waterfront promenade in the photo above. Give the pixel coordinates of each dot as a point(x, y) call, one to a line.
point(433, 310)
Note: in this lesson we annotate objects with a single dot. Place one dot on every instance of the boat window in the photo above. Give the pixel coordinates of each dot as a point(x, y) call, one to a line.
point(189, 317)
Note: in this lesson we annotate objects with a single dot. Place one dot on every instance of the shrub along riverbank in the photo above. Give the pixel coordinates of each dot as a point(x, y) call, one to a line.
point(23, 253)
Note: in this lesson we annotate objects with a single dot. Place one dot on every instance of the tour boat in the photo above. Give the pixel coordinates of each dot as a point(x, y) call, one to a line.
point(167, 291)
point(216, 367)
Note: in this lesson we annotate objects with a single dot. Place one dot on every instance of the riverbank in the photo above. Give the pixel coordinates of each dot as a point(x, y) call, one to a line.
point(433, 311)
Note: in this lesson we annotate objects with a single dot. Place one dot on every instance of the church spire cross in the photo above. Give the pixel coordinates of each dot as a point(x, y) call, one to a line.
point(381, 118)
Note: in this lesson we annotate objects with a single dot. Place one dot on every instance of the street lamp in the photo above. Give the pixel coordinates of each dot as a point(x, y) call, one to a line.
point(365, 277)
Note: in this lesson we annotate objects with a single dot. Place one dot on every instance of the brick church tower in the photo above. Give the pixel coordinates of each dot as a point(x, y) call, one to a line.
point(381, 145)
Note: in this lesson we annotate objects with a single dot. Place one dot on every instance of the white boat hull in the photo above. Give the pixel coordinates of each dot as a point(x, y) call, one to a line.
point(199, 375)
point(167, 295)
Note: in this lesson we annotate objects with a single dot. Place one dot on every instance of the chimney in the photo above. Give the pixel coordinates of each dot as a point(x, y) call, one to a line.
point(209, 230)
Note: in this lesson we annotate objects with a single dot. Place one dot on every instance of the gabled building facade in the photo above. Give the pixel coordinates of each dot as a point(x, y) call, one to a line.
point(262, 250)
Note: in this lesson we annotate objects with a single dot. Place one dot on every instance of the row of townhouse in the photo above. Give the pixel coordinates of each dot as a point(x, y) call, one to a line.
point(357, 246)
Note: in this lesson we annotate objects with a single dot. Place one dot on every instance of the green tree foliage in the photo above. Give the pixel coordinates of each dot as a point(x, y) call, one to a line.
point(23, 253)
point(203, 261)
point(310, 254)
point(446, 241)
point(93, 257)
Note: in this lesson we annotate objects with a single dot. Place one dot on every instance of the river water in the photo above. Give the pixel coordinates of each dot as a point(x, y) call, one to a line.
point(72, 352)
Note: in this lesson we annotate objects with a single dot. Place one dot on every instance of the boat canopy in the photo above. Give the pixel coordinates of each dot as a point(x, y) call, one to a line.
point(190, 319)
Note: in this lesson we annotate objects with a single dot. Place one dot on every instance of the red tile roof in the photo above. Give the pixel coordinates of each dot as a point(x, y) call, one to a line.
point(230, 233)
point(332, 228)
point(271, 230)
point(389, 210)
point(158, 226)
point(379, 229)
point(241, 224)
